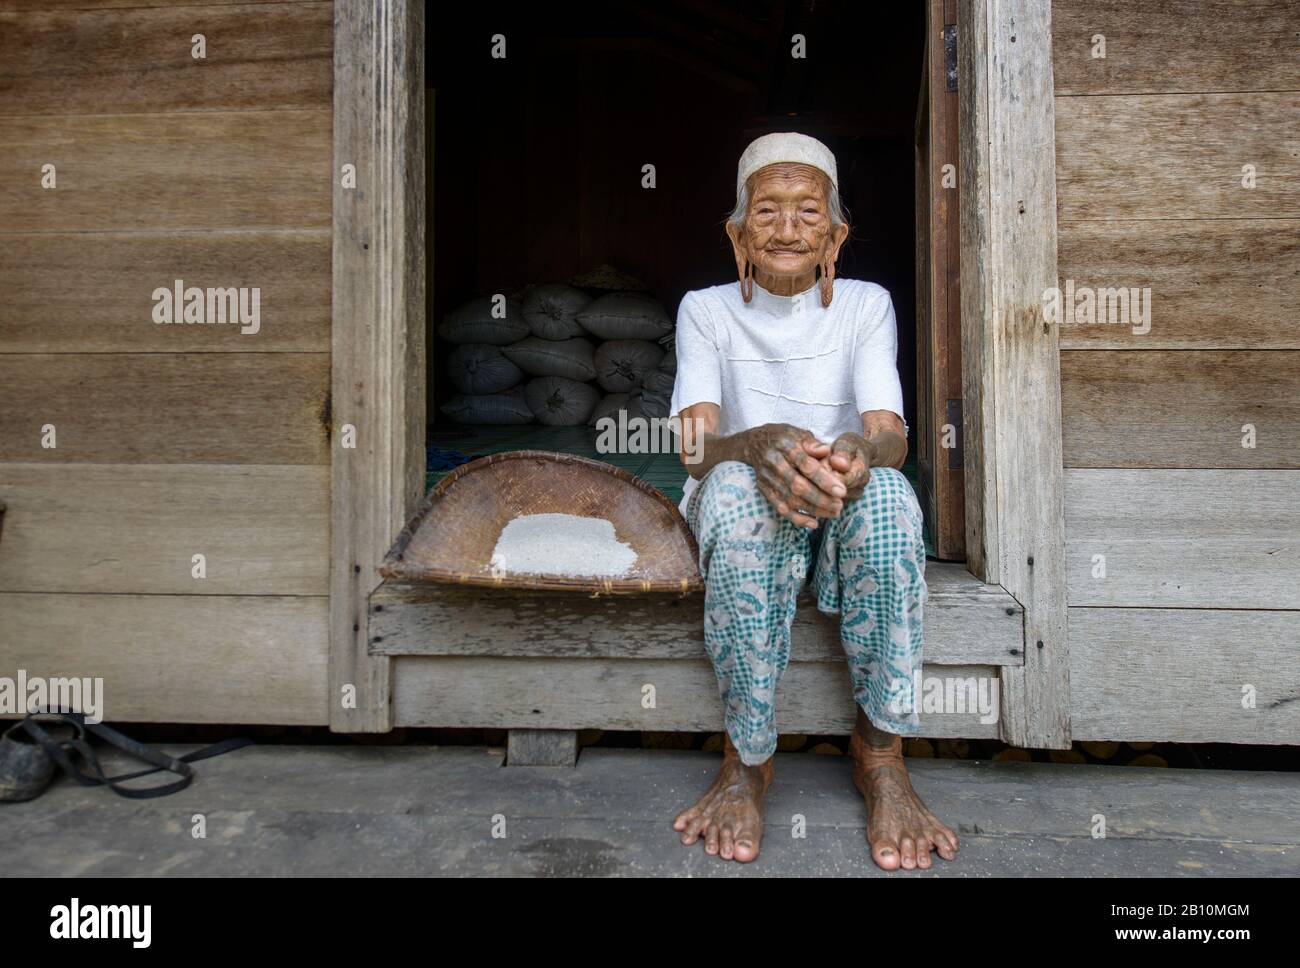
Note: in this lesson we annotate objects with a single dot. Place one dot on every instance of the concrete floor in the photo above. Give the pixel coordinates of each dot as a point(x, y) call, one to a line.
point(357, 810)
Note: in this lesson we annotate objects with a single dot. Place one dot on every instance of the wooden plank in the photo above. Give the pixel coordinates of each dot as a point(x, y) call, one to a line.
point(93, 292)
point(1180, 408)
point(1178, 156)
point(542, 747)
point(1012, 377)
point(939, 379)
point(1175, 46)
point(379, 326)
point(135, 528)
point(983, 555)
point(208, 170)
point(1215, 283)
point(42, 5)
point(178, 658)
point(1184, 675)
point(114, 61)
point(966, 623)
point(814, 697)
point(219, 408)
point(1189, 539)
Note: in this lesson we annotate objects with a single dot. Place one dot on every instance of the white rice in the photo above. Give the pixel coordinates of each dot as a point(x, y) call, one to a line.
point(562, 544)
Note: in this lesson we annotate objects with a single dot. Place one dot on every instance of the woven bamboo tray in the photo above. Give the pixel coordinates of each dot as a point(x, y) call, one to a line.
point(452, 535)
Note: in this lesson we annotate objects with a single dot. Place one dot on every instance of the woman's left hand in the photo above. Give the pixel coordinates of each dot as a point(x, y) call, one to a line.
point(850, 457)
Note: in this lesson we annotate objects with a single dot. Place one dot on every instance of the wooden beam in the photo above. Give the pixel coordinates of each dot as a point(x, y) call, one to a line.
point(542, 747)
point(1011, 366)
point(966, 623)
point(379, 327)
point(581, 693)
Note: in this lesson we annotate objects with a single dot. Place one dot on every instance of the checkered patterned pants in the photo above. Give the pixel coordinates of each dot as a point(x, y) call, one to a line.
point(870, 570)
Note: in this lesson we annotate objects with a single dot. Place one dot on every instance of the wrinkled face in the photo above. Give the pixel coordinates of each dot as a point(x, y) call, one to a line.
point(787, 229)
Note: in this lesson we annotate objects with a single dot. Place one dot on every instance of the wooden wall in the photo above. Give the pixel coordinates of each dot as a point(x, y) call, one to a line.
point(172, 440)
point(1200, 535)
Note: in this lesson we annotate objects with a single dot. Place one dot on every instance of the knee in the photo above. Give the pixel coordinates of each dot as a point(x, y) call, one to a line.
point(888, 485)
point(729, 486)
point(888, 497)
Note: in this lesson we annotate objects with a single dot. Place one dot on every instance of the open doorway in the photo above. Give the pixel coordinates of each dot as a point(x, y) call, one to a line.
point(537, 164)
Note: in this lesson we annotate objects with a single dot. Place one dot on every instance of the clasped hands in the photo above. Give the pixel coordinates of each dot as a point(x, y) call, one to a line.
point(806, 478)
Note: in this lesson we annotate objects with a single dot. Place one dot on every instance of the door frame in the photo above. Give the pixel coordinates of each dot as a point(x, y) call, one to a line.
point(1011, 379)
point(377, 403)
point(1010, 359)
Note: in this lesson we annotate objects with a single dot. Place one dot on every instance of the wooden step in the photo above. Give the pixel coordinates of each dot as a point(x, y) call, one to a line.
point(966, 623)
point(486, 658)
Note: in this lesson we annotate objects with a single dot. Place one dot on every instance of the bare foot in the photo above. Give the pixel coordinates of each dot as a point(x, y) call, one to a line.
point(900, 829)
point(730, 814)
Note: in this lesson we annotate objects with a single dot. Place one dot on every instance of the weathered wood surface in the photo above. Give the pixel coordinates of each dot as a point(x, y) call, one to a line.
point(92, 292)
point(1190, 539)
point(1180, 408)
point(42, 5)
point(938, 316)
point(580, 693)
point(966, 623)
point(542, 747)
point(1012, 375)
point(111, 61)
point(1215, 283)
point(983, 554)
point(263, 530)
point(220, 408)
point(1181, 675)
point(178, 658)
point(379, 327)
point(1178, 156)
point(206, 170)
point(611, 816)
point(1175, 46)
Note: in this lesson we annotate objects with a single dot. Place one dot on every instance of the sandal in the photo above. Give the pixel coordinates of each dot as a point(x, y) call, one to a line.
point(29, 753)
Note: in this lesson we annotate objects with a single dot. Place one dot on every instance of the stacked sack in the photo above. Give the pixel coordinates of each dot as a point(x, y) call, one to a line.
point(559, 357)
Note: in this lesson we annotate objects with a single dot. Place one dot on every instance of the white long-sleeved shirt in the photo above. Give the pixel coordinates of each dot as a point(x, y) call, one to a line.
point(786, 359)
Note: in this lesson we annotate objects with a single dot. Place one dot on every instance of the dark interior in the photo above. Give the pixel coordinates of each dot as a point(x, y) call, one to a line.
point(537, 158)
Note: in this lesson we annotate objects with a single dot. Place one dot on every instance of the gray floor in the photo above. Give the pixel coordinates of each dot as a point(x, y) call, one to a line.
point(351, 810)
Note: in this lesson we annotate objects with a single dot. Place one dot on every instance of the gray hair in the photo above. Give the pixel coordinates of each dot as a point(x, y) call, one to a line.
point(838, 214)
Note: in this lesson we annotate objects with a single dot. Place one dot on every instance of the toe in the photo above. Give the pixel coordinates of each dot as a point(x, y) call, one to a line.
point(727, 843)
point(692, 831)
point(747, 838)
point(909, 853)
point(685, 817)
point(711, 839)
point(923, 853)
point(886, 854)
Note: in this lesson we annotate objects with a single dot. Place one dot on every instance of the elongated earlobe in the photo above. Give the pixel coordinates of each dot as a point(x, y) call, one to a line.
point(747, 282)
point(827, 282)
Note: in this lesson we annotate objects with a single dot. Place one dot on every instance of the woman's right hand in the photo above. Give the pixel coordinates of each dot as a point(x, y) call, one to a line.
point(789, 463)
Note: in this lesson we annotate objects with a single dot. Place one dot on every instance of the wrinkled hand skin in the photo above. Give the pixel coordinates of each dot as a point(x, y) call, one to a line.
point(793, 473)
point(851, 458)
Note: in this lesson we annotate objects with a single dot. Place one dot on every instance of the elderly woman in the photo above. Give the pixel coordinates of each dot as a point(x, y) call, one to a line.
point(793, 434)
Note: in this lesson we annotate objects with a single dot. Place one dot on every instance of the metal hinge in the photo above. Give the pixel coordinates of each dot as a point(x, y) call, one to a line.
point(954, 418)
point(950, 55)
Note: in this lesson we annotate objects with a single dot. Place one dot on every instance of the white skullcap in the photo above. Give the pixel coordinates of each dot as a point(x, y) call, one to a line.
point(785, 146)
